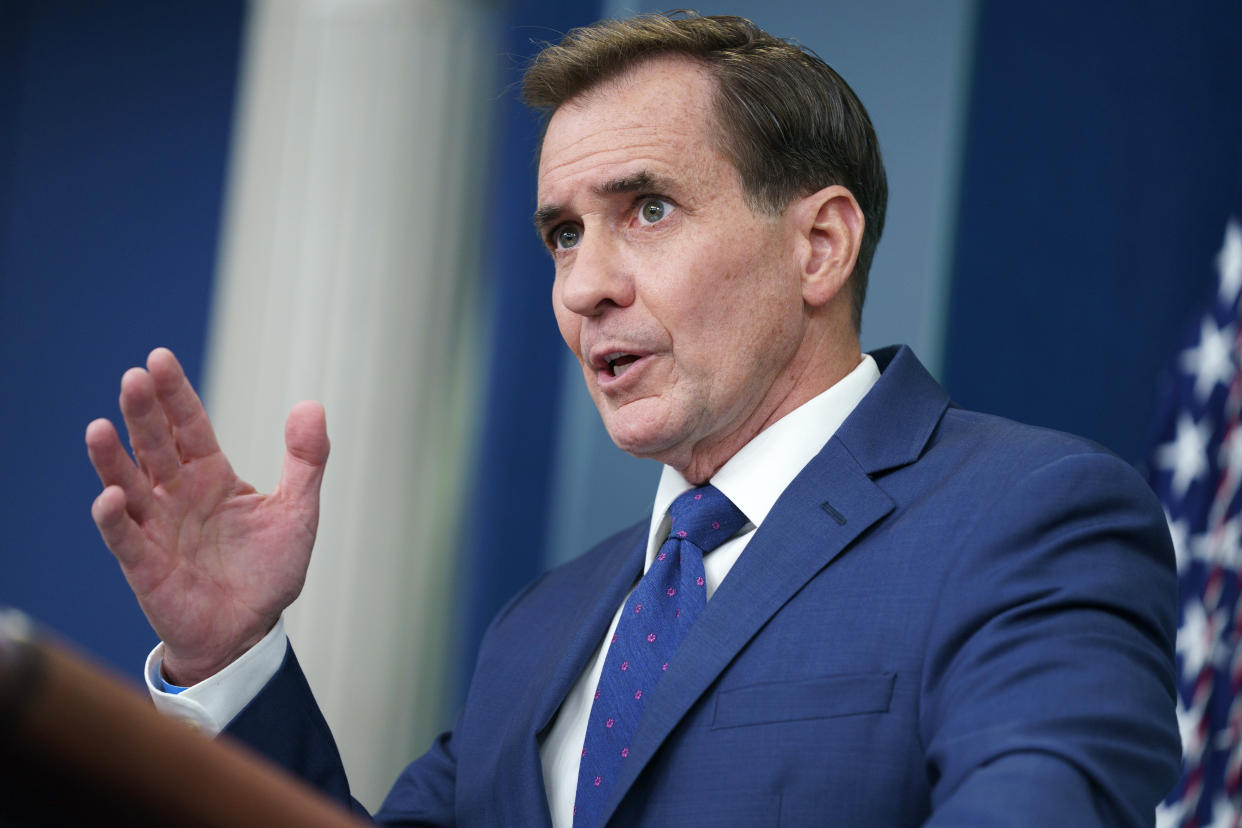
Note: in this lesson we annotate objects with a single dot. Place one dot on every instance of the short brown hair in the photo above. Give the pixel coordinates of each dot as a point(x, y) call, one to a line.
point(790, 124)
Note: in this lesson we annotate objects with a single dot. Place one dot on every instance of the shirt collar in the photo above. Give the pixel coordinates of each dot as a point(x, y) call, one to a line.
point(760, 471)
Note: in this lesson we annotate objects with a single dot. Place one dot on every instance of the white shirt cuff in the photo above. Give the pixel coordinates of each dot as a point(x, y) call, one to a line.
point(216, 700)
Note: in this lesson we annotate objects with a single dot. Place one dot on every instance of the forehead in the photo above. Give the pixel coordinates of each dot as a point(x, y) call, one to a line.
point(657, 117)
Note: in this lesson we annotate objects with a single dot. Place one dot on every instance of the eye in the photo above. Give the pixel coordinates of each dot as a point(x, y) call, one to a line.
point(651, 210)
point(566, 236)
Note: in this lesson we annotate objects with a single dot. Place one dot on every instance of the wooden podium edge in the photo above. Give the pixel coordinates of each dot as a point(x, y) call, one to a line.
point(76, 743)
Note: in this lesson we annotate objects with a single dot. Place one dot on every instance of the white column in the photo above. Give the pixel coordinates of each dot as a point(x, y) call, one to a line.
point(348, 274)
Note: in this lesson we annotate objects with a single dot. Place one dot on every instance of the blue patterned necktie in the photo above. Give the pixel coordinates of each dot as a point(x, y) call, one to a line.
point(653, 622)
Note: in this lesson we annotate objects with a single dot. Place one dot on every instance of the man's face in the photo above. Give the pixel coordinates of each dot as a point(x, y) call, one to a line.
point(683, 306)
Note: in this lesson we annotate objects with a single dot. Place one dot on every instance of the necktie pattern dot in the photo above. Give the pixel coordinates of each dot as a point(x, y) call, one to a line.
point(653, 622)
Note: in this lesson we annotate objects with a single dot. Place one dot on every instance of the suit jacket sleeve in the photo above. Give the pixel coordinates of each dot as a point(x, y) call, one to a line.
point(1048, 684)
point(285, 724)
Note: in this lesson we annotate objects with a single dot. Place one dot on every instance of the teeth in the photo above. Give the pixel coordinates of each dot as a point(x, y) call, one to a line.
point(619, 363)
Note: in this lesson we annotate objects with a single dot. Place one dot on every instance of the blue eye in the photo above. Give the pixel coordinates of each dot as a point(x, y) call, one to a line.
point(566, 236)
point(652, 210)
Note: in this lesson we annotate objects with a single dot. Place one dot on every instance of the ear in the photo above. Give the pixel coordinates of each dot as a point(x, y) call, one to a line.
point(830, 223)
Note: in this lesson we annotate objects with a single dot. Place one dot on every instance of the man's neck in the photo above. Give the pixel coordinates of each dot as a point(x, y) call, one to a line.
point(757, 474)
point(809, 375)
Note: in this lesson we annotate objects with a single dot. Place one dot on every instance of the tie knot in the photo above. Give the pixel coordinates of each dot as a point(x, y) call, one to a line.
point(705, 517)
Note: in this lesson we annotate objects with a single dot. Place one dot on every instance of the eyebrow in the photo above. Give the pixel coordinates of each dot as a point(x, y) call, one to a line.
point(639, 182)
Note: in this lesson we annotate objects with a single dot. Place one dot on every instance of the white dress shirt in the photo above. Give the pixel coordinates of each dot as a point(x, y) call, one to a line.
point(753, 479)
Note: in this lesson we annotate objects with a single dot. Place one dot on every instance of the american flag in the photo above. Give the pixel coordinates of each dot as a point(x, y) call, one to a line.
point(1196, 469)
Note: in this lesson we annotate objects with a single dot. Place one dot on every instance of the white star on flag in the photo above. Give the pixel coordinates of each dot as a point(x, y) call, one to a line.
point(1229, 262)
point(1224, 544)
point(1169, 814)
point(1196, 640)
point(1180, 533)
point(1188, 729)
point(1225, 813)
point(1212, 360)
point(1186, 455)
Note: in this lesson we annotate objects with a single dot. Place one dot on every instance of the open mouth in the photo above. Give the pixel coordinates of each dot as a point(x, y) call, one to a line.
point(618, 364)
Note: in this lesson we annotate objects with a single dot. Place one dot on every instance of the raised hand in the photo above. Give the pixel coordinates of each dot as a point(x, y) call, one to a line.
point(212, 562)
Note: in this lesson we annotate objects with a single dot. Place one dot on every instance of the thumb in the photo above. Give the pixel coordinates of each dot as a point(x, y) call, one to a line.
point(306, 453)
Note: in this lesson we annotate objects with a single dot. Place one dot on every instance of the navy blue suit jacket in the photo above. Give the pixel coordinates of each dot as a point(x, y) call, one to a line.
point(947, 619)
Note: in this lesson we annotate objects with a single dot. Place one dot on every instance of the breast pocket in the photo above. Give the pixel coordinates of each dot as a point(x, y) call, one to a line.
point(822, 697)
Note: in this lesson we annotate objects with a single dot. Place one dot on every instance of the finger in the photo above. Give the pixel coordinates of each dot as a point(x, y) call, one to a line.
point(306, 454)
point(115, 468)
point(118, 529)
point(148, 429)
point(183, 409)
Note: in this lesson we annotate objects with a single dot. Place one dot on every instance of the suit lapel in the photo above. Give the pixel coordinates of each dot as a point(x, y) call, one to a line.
point(830, 503)
point(606, 575)
point(603, 589)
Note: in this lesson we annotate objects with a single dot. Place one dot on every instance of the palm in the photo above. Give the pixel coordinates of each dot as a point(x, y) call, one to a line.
point(220, 562)
point(212, 562)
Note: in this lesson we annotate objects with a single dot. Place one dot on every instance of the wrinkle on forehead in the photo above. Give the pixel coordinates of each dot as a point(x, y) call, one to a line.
point(603, 139)
point(602, 172)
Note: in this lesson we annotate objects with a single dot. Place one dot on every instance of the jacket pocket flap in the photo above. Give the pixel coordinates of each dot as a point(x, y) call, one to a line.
point(818, 698)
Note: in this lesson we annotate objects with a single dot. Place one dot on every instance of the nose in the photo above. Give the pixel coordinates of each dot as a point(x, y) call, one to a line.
point(597, 277)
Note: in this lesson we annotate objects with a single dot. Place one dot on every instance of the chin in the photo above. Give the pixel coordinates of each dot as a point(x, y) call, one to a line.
point(640, 441)
point(646, 427)
point(632, 444)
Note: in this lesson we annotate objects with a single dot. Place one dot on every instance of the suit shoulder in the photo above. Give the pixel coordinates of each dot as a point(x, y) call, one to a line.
point(1013, 447)
point(976, 425)
point(994, 460)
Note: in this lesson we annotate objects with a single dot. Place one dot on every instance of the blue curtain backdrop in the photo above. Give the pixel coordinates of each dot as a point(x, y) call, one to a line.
point(506, 516)
point(1104, 147)
point(114, 133)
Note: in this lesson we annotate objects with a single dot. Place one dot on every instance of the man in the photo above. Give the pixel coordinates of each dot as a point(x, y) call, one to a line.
point(908, 614)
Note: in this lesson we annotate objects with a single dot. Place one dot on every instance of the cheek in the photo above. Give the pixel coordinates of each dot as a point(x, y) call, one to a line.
point(756, 321)
point(751, 300)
